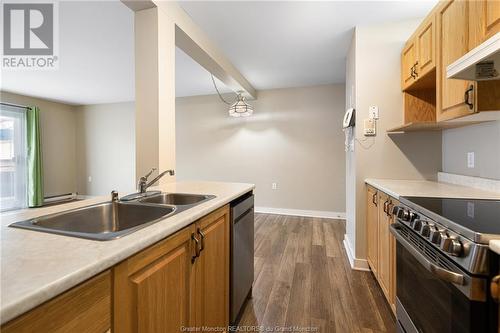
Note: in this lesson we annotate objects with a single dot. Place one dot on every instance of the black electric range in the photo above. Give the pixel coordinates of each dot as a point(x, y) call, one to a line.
point(475, 219)
point(444, 265)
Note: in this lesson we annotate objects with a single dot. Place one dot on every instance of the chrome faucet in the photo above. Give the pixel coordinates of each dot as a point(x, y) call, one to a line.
point(143, 184)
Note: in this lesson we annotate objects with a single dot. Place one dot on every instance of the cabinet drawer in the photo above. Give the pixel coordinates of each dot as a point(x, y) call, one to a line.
point(85, 308)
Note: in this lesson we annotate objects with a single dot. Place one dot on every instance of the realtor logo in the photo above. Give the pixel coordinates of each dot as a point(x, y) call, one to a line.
point(29, 33)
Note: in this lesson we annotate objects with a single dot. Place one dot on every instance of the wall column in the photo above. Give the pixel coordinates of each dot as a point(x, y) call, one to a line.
point(154, 92)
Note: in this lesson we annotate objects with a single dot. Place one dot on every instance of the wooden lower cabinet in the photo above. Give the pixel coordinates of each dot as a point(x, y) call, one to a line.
point(382, 242)
point(212, 271)
point(153, 290)
point(384, 248)
point(179, 283)
point(372, 228)
point(85, 308)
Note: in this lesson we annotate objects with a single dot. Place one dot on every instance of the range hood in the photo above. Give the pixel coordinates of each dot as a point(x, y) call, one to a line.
point(479, 64)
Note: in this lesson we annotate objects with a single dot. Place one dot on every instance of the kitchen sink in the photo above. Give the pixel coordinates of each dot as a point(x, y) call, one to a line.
point(177, 199)
point(105, 221)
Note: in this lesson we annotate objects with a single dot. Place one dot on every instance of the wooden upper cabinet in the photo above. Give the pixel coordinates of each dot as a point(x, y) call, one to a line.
point(408, 63)
point(426, 47)
point(212, 270)
point(153, 289)
point(372, 228)
point(455, 98)
point(418, 57)
point(484, 21)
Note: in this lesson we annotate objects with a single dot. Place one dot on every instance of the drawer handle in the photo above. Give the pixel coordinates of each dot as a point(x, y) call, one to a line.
point(374, 199)
point(202, 236)
point(196, 248)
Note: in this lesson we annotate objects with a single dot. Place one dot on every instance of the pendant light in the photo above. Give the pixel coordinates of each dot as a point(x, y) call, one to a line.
point(240, 108)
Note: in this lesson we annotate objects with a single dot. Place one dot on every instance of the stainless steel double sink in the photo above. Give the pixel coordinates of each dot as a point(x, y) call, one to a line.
point(114, 219)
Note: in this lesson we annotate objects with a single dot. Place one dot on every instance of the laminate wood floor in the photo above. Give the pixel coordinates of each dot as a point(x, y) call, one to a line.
point(303, 279)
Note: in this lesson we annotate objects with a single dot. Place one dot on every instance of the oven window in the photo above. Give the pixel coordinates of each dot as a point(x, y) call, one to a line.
point(433, 304)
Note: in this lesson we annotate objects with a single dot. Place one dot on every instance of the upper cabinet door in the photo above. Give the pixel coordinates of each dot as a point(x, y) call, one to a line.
point(408, 64)
point(455, 98)
point(484, 18)
point(426, 46)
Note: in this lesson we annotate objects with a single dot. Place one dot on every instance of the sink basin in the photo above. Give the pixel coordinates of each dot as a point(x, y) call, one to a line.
point(104, 221)
point(178, 199)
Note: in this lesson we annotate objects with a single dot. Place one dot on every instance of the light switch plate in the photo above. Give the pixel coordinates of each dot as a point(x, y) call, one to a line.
point(373, 112)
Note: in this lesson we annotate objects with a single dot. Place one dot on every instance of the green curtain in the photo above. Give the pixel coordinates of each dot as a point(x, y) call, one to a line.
point(34, 155)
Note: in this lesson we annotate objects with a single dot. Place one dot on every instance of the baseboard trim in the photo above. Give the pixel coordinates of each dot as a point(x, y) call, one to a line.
point(300, 212)
point(356, 264)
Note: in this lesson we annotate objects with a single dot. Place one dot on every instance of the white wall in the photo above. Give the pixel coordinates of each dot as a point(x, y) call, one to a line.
point(483, 140)
point(58, 127)
point(377, 82)
point(350, 154)
point(294, 139)
point(105, 148)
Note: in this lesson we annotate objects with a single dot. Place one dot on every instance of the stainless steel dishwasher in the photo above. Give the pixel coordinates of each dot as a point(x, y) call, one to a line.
point(242, 251)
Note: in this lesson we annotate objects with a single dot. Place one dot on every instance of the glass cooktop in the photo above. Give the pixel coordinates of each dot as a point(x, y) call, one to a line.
point(481, 216)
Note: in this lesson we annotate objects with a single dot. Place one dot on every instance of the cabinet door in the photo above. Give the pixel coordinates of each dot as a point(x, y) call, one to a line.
point(484, 21)
point(152, 290)
point(408, 63)
point(212, 270)
point(392, 286)
point(453, 37)
point(426, 46)
point(372, 228)
point(384, 248)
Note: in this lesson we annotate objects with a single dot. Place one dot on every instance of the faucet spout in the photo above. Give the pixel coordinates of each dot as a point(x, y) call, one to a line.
point(171, 172)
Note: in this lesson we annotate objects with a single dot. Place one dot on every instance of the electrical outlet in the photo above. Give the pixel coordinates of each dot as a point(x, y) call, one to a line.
point(274, 186)
point(470, 160)
point(90, 179)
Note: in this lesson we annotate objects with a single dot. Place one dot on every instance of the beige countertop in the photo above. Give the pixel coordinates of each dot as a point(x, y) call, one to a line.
point(37, 266)
point(421, 188)
point(397, 188)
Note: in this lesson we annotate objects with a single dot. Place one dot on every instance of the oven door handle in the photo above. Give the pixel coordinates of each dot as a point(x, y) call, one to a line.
point(440, 272)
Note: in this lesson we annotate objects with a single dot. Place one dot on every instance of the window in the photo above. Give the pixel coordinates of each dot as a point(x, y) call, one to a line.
point(13, 171)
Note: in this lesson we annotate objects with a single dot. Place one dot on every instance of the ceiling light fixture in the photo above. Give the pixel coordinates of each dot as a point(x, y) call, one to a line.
point(240, 108)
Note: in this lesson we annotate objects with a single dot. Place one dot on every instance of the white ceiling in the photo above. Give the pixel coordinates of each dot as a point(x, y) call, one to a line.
point(273, 44)
point(277, 44)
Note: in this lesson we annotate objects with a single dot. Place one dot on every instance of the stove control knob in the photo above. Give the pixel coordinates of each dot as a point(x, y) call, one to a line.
point(404, 214)
point(436, 236)
point(417, 225)
point(426, 229)
point(445, 242)
point(395, 210)
point(412, 216)
point(455, 248)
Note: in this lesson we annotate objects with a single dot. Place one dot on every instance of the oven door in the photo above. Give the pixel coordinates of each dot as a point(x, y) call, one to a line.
point(433, 294)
